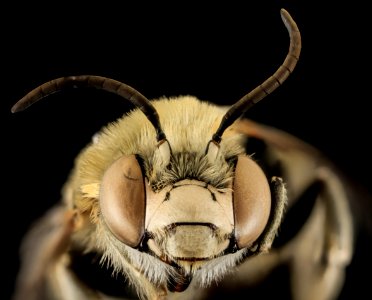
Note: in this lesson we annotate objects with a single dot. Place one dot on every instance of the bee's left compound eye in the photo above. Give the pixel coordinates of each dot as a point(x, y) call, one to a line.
point(252, 201)
point(122, 200)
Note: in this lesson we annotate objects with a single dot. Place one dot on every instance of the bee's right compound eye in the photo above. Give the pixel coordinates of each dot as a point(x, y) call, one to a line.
point(122, 200)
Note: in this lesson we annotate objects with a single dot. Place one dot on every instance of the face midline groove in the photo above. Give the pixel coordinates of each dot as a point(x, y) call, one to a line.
point(174, 225)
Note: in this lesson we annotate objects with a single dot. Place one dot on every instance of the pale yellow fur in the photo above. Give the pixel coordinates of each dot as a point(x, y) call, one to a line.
point(189, 125)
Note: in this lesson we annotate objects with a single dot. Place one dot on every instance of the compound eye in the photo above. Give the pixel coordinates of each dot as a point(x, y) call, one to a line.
point(252, 201)
point(122, 200)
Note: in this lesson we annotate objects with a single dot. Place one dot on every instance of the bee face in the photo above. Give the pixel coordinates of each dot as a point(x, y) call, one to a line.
point(192, 210)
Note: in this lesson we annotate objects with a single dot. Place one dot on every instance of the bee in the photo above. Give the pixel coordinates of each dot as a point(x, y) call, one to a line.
point(179, 193)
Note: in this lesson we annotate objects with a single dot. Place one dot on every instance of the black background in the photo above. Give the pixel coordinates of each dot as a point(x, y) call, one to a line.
point(218, 53)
